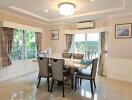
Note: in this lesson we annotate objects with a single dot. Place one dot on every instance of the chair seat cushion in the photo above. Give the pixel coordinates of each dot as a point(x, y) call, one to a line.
point(86, 61)
point(84, 74)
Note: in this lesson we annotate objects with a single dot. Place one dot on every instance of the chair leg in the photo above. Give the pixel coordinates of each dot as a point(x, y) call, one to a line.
point(94, 83)
point(38, 76)
point(80, 81)
point(75, 83)
point(39, 81)
point(72, 82)
point(48, 83)
point(91, 84)
point(68, 82)
point(63, 89)
point(77, 80)
point(52, 85)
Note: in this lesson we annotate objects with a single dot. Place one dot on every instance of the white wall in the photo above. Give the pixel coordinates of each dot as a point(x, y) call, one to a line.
point(119, 63)
point(119, 68)
point(18, 68)
point(58, 45)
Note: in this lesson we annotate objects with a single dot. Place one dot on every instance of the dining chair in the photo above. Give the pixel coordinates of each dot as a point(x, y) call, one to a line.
point(41, 55)
point(88, 75)
point(58, 75)
point(66, 55)
point(78, 56)
point(44, 70)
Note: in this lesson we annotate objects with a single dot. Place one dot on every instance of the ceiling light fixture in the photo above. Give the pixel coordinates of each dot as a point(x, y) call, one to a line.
point(45, 10)
point(66, 8)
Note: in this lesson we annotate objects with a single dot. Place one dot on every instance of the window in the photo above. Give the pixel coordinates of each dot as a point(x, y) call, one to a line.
point(24, 45)
point(87, 44)
point(79, 43)
point(92, 45)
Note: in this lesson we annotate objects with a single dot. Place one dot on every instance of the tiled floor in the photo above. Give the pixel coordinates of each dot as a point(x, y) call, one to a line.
point(25, 88)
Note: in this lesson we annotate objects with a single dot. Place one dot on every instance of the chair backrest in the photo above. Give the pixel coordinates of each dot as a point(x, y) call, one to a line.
point(43, 66)
point(94, 68)
point(41, 55)
point(57, 69)
point(66, 55)
point(78, 56)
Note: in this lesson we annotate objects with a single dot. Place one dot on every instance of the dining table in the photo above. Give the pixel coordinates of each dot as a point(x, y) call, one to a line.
point(69, 63)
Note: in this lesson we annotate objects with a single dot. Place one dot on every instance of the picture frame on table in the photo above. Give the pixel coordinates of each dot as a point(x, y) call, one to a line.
point(123, 31)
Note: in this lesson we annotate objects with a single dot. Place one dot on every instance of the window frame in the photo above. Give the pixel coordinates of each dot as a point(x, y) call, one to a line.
point(24, 54)
point(86, 49)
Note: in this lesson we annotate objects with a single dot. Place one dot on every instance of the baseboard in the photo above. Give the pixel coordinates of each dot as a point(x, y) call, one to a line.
point(124, 79)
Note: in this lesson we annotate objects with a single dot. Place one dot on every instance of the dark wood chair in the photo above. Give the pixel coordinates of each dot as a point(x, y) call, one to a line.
point(79, 57)
point(44, 70)
point(58, 74)
point(88, 75)
point(66, 55)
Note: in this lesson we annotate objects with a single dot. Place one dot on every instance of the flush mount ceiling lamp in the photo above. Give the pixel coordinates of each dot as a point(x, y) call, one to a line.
point(66, 8)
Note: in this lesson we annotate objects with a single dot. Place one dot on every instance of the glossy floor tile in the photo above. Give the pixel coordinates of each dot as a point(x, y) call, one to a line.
point(24, 88)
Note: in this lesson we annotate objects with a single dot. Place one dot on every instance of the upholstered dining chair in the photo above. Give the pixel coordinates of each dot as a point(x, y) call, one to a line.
point(44, 70)
point(88, 75)
point(66, 55)
point(58, 75)
point(78, 56)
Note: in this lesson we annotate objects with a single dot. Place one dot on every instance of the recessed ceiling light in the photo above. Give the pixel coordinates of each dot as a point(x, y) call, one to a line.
point(45, 10)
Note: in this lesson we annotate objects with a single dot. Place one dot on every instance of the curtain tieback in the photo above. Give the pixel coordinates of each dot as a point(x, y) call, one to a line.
point(104, 51)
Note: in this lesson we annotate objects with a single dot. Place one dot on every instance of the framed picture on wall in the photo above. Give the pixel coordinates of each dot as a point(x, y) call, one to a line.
point(123, 31)
point(54, 34)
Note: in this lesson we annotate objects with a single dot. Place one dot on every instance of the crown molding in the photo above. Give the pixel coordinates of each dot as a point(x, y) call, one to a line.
point(89, 14)
point(10, 24)
point(119, 15)
point(28, 13)
point(24, 17)
point(93, 13)
point(123, 6)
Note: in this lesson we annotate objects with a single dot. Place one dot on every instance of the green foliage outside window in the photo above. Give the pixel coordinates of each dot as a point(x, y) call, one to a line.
point(30, 45)
point(88, 47)
point(23, 46)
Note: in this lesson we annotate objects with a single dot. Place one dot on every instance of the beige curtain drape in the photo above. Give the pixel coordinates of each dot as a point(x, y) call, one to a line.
point(69, 39)
point(102, 54)
point(38, 41)
point(6, 39)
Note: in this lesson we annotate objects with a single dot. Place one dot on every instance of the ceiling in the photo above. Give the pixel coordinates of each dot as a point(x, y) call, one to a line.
point(85, 9)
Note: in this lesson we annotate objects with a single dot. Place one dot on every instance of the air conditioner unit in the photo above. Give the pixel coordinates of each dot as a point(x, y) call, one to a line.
point(86, 25)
